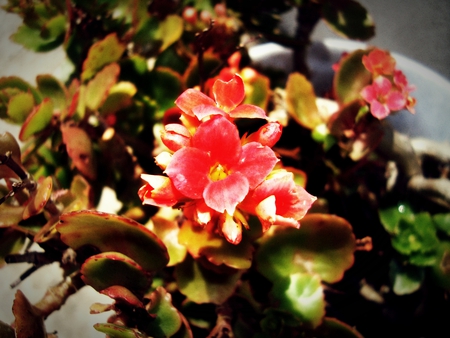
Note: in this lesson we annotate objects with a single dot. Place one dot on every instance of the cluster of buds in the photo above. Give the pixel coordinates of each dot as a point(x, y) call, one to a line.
point(389, 90)
point(219, 178)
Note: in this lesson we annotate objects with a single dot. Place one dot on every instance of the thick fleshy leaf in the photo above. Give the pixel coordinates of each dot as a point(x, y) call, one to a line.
point(351, 77)
point(167, 229)
point(6, 331)
point(101, 53)
point(119, 331)
point(202, 285)
point(109, 232)
point(14, 82)
point(168, 320)
point(442, 222)
point(113, 268)
point(38, 198)
point(301, 294)
point(119, 96)
point(348, 18)
point(20, 106)
point(79, 148)
point(10, 215)
point(406, 279)
point(216, 249)
point(38, 120)
point(323, 245)
point(51, 87)
point(301, 101)
point(440, 270)
point(122, 296)
point(98, 88)
point(164, 86)
point(257, 88)
point(28, 321)
point(331, 327)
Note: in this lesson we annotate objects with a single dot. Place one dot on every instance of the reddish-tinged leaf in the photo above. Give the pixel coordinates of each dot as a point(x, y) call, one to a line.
point(79, 148)
point(110, 232)
point(167, 318)
point(10, 215)
point(118, 331)
point(29, 322)
point(323, 245)
point(113, 268)
point(98, 88)
point(23, 86)
point(20, 106)
point(51, 87)
point(38, 198)
point(38, 120)
point(119, 96)
point(101, 53)
point(122, 295)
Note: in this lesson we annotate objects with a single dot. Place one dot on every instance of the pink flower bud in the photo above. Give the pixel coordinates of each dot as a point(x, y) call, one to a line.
point(267, 135)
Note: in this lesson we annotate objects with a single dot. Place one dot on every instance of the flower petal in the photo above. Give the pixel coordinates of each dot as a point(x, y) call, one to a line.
point(175, 136)
point(249, 111)
point(220, 139)
point(382, 85)
point(267, 135)
point(256, 163)
point(395, 101)
point(191, 98)
point(188, 170)
point(225, 195)
point(159, 191)
point(203, 111)
point(379, 110)
point(231, 230)
point(229, 94)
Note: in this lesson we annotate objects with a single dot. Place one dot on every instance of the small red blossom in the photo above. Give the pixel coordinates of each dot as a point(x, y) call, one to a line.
point(383, 98)
point(401, 82)
point(278, 201)
point(267, 135)
point(379, 62)
point(217, 168)
point(159, 190)
point(227, 99)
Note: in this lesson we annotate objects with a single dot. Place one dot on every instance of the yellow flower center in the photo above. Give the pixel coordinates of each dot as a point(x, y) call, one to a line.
point(218, 172)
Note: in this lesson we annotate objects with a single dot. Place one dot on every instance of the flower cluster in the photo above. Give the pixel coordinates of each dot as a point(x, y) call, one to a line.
point(389, 90)
point(219, 178)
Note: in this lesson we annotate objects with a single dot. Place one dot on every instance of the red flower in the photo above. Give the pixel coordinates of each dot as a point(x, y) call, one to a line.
point(382, 97)
point(228, 96)
point(159, 191)
point(379, 62)
point(217, 168)
point(278, 201)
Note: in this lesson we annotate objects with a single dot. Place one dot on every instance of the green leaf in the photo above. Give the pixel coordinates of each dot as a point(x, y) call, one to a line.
point(98, 88)
point(113, 268)
point(20, 106)
point(109, 232)
point(323, 245)
point(38, 120)
point(216, 249)
point(102, 53)
point(351, 77)
point(440, 270)
point(349, 19)
point(442, 222)
point(52, 88)
point(390, 216)
point(331, 327)
point(169, 31)
point(301, 101)
point(406, 278)
point(119, 331)
point(164, 87)
point(23, 86)
point(202, 285)
point(11, 241)
point(257, 88)
point(168, 320)
point(119, 96)
point(122, 295)
point(301, 294)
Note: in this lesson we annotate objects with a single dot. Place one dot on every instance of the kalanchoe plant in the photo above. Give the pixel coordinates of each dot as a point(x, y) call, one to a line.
point(249, 207)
